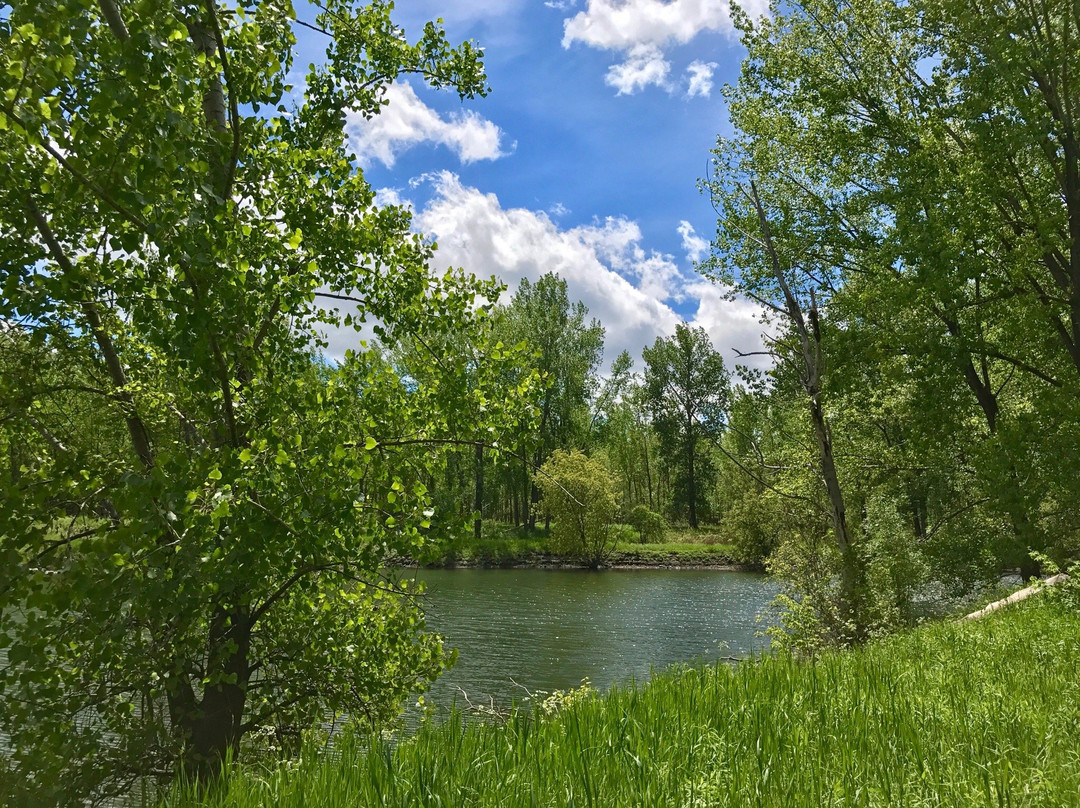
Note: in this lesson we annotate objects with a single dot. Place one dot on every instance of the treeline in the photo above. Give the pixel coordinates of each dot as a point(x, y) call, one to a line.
point(657, 431)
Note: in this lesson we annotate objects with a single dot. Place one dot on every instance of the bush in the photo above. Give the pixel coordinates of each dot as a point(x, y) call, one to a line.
point(754, 524)
point(580, 496)
point(651, 526)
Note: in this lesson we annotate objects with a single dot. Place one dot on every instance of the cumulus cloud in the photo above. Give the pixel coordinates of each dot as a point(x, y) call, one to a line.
point(640, 29)
point(734, 325)
point(644, 65)
point(606, 265)
point(700, 79)
point(392, 196)
point(475, 231)
point(407, 121)
point(623, 24)
point(617, 242)
point(695, 245)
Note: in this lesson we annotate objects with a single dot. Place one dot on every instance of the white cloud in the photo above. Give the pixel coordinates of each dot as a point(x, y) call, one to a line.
point(695, 245)
point(408, 121)
point(560, 5)
point(392, 196)
point(622, 24)
point(605, 265)
point(700, 78)
point(474, 231)
point(641, 28)
point(644, 65)
point(734, 325)
point(618, 243)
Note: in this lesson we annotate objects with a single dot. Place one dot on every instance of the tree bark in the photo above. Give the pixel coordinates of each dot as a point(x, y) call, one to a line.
point(214, 729)
point(478, 499)
point(809, 335)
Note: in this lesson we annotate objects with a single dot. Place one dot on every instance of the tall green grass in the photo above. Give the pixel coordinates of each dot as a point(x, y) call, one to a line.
point(983, 714)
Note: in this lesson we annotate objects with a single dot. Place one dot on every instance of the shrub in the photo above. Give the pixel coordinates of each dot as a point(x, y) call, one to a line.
point(651, 526)
point(754, 524)
point(580, 496)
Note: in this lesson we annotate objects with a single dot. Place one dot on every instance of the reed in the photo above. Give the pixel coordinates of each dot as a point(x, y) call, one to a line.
point(984, 714)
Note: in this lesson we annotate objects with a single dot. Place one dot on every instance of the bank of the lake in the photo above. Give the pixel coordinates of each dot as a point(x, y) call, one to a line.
point(507, 547)
point(964, 714)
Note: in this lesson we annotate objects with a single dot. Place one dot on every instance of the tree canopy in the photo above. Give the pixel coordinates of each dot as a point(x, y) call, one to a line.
point(197, 504)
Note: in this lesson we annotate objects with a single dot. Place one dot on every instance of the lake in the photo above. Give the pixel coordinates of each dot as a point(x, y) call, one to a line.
point(549, 629)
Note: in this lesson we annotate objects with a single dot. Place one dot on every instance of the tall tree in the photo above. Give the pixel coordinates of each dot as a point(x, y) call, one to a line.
point(567, 348)
point(175, 238)
point(927, 209)
point(686, 385)
point(622, 428)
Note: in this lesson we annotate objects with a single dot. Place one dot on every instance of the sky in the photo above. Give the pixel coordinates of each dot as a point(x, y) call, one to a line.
point(583, 160)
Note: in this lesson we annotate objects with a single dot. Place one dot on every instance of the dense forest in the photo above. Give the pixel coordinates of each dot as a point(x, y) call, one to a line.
point(199, 501)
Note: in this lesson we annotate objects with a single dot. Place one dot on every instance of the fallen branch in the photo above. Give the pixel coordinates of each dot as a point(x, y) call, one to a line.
point(1016, 597)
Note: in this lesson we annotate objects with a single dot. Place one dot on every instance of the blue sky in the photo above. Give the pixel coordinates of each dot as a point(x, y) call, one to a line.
point(583, 160)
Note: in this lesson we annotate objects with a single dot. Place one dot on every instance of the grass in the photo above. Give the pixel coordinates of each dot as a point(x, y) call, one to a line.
point(504, 544)
point(672, 554)
point(501, 543)
point(976, 714)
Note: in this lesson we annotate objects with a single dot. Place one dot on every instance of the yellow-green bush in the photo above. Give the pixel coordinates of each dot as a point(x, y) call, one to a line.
point(580, 496)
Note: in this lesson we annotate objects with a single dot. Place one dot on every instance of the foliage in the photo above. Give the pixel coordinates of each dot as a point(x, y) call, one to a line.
point(579, 495)
point(896, 196)
point(981, 713)
point(686, 388)
point(621, 427)
point(566, 349)
point(198, 505)
point(651, 526)
point(559, 700)
point(755, 524)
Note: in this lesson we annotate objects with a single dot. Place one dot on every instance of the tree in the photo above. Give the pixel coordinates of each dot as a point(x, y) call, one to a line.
point(621, 427)
point(923, 215)
point(175, 238)
point(579, 494)
point(567, 349)
point(686, 387)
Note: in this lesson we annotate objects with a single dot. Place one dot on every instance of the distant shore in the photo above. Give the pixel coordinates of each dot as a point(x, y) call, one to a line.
point(683, 557)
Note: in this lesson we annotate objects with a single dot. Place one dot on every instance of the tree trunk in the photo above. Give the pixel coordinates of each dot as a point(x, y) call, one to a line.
point(214, 729)
point(478, 501)
point(807, 329)
point(648, 473)
point(691, 482)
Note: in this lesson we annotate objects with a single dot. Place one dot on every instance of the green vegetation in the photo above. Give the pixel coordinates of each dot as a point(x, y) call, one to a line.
point(579, 495)
point(983, 714)
point(197, 505)
point(504, 545)
point(672, 554)
point(651, 526)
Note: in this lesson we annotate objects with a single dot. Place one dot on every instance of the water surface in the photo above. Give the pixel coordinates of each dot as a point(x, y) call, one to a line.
point(549, 629)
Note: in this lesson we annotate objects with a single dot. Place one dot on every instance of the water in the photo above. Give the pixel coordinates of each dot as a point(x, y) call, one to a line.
point(549, 629)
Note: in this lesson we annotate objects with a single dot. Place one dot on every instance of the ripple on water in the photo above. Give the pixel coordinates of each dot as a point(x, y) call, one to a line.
point(549, 629)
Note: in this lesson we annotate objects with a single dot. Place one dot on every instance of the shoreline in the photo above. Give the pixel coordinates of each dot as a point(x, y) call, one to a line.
point(621, 560)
